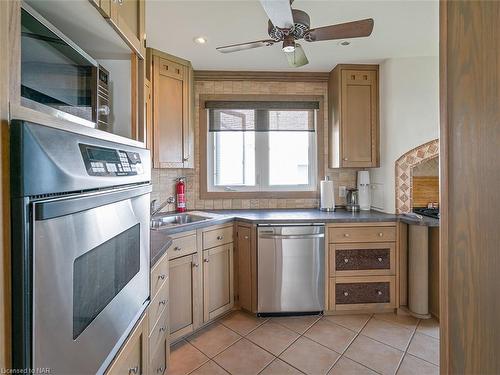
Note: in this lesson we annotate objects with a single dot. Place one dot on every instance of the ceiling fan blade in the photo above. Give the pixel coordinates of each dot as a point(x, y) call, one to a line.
point(353, 29)
point(244, 46)
point(279, 12)
point(297, 58)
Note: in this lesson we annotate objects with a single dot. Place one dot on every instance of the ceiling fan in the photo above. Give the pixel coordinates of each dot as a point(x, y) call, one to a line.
point(288, 25)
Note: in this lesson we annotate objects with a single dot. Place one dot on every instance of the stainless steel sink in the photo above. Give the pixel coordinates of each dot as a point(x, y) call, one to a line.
point(175, 220)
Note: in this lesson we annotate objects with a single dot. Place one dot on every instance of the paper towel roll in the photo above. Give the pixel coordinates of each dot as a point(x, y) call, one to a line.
point(326, 196)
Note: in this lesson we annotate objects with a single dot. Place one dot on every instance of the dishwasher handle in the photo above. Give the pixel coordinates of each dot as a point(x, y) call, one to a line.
point(292, 236)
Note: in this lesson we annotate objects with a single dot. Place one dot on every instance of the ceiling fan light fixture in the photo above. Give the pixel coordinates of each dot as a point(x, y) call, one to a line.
point(200, 40)
point(288, 45)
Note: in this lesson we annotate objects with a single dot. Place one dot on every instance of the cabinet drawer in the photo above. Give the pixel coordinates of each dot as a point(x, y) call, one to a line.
point(362, 234)
point(364, 292)
point(217, 237)
point(130, 358)
point(171, 69)
point(158, 306)
point(182, 246)
point(158, 362)
point(159, 275)
point(362, 259)
point(159, 332)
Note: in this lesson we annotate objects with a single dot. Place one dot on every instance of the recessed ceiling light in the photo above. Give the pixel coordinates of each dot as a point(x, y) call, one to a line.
point(200, 40)
point(344, 43)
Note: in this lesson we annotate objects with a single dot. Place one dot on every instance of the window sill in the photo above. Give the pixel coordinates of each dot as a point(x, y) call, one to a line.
point(258, 194)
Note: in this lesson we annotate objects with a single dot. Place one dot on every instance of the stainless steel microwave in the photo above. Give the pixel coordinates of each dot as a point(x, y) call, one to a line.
point(57, 77)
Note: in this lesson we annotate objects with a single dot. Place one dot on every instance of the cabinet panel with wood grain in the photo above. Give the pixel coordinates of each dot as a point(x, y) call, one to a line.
point(354, 117)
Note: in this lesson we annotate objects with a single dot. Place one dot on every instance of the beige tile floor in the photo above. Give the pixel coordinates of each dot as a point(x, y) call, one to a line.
point(242, 344)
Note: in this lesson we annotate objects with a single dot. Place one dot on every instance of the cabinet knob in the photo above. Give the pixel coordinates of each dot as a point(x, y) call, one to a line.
point(220, 238)
point(177, 248)
point(380, 234)
point(163, 329)
point(163, 302)
point(120, 2)
point(206, 260)
point(160, 370)
point(133, 370)
point(162, 277)
point(345, 159)
point(195, 264)
point(185, 159)
point(246, 237)
point(346, 294)
point(346, 234)
point(379, 259)
point(379, 292)
point(346, 260)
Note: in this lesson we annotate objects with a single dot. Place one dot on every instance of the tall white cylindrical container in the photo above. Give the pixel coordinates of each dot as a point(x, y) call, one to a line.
point(327, 198)
point(365, 200)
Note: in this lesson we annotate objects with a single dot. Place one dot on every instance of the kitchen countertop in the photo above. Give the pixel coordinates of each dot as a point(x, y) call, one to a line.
point(160, 240)
point(414, 220)
point(159, 244)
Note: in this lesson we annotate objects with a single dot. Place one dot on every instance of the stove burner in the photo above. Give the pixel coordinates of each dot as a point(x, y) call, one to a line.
point(430, 212)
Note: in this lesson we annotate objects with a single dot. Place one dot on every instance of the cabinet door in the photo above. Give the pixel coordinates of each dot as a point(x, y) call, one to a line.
point(132, 358)
point(217, 281)
point(168, 115)
point(184, 295)
point(129, 17)
point(359, 119)
point(244, 268)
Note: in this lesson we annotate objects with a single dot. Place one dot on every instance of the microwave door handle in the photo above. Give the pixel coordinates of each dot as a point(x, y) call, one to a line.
point(67, 206)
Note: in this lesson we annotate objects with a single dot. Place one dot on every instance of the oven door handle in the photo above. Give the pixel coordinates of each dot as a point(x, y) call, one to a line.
point(67, 206)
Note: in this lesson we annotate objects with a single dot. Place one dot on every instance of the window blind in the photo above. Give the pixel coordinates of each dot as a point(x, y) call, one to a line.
point(261, 116)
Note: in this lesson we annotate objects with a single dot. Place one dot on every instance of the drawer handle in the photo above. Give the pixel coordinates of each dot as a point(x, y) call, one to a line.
point(379, 259)
point(177, 248)
point(346, 294)
point(346, 234)
point(133, 370)
point(380, 234)
point(162, 277)
point(220, 238)
point(163, 329)
point(160, 370)
point(163, 302)
point(206, 260)
point(379, 292)
point(346, 260)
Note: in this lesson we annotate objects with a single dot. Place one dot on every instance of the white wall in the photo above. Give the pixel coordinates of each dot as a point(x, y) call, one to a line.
point(409, 117)
point(120, 93)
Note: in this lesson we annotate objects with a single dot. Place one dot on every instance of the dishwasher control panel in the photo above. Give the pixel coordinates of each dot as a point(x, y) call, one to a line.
point(109, 162)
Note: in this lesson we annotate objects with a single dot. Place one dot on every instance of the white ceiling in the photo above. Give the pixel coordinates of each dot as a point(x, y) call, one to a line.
point(403, 28)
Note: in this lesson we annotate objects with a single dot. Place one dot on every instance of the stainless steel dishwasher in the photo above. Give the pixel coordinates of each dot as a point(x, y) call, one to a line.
point(291, 268)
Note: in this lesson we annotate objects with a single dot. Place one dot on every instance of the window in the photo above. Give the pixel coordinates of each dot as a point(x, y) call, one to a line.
point(261, 146)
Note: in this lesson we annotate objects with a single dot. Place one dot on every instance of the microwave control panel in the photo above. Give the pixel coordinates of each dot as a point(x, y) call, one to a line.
point(109, 162)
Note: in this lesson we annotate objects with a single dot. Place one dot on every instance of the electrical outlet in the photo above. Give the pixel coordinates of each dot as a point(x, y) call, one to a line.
point(342, 191)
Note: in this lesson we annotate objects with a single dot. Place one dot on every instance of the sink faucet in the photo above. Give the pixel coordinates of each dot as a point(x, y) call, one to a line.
point(154, 210)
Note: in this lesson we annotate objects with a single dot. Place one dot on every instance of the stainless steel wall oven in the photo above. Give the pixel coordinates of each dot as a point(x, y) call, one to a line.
point(80, 247)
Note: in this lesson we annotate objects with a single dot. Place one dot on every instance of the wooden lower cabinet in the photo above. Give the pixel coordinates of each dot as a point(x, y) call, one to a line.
point(244, 266)
point(133, 356)
point(218, 282)
point(185, 297)
point(362, 266)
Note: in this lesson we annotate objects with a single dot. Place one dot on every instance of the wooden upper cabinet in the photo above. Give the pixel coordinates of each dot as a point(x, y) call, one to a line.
point(128, 18)
point(354, 117)
point(172, 121)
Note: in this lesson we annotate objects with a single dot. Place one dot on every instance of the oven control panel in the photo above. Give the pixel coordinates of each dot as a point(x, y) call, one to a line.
point(101, 161)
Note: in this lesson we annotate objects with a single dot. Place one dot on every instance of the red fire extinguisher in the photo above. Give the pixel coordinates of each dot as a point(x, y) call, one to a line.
point(180, 190)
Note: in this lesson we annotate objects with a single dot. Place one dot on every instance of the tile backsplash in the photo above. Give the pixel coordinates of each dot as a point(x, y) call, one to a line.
point(164, 180)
